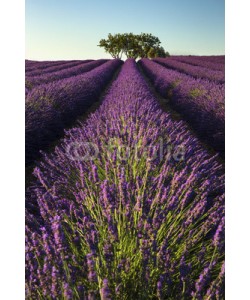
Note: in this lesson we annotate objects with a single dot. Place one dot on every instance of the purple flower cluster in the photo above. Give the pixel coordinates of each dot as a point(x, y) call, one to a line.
point(194, 71)
point(52, 107)
point(31, 82)
point(200, 102)
point(127, 229)
point(197, 61)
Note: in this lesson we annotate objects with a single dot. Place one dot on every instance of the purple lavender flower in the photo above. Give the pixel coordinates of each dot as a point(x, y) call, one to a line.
point(67, 291)
point(105, 291)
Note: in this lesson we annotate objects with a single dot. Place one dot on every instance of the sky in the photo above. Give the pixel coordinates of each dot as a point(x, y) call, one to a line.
point(72, 29)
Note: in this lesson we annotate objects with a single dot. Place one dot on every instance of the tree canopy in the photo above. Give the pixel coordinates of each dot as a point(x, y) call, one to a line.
point(133, 45)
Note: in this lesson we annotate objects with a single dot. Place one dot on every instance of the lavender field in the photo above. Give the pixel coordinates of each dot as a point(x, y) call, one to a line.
point(126, 200)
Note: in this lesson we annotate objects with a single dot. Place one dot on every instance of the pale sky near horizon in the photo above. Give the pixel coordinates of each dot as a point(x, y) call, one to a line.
point(72, 29)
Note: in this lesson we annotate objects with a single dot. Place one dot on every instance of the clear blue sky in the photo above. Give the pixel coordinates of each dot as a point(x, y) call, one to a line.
point(71, 29)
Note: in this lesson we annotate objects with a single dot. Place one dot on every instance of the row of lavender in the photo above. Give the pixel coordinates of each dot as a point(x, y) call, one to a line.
point(214, 58)
point(33, 81)
point(51, 107)
point(40, 65)
point(30, 63)
point(52, 68)
point(201, 102)
point(142, 219)
point(194, 71)
point(199, 61)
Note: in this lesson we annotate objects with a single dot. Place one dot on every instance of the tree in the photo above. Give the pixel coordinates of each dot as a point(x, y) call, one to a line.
point(157, 52)
point(133, 45)
point(112, 45)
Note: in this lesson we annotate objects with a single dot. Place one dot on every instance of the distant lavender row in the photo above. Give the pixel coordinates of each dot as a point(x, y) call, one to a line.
point(220, 59)
point(128, 226)
point(201, 103)
point(59, 67)
point(29, 63)
point(31, 82)
point(39, 65)
point(215, 59)
point(195, 71)
point(194, 60)
point(43, 65)
point(51, 107)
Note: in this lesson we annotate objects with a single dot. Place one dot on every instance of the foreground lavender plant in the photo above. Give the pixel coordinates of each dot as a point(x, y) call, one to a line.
point(128, 227)
point(200, 102)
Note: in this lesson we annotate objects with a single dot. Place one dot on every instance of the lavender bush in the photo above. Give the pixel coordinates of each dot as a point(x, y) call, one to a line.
point(201, 103)
point(52, 107)
point(118, 226)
